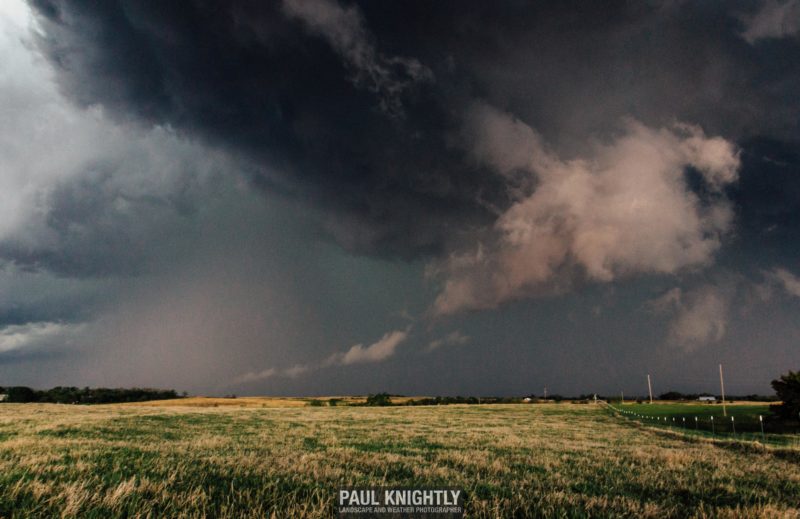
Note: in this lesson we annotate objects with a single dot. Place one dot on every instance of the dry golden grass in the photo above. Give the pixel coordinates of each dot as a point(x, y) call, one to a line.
point(203, 401)
point(257, 401)
point(269, 461)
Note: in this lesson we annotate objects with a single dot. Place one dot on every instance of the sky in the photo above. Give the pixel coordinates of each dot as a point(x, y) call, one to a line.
point(327, 197)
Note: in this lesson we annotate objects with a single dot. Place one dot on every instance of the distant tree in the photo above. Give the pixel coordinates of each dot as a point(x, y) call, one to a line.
point(787, 387)
point(333, 402)
point(380, 399)
point(671, 395)
point(86, 395)
point(314, 402)
point(21, 394)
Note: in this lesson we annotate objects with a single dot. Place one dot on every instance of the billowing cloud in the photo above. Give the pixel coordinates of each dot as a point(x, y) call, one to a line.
point(773, 19)
point(299, 102)
point(30, 337)
point(378, 351)
point(699, 316)
point(452, 338)
point(627, 208)
point(785, 280)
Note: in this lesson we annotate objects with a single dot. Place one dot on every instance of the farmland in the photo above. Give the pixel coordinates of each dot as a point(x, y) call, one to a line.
point(741, 421)
point(273, 458)
point(744, 413)
point(746, 416)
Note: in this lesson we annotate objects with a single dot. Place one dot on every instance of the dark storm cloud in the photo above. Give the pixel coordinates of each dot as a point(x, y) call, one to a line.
point(124, 206)
point(767, 199)
point(81, 196)
point(571, 72)
point(93, 227)
point(254, 80)
point(447, 131)
point(21, 314)
point(38, 339)
point(356, 105)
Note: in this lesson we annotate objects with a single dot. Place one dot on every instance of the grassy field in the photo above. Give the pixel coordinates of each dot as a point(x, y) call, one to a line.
point(745, 415)
point(252, 460)
point(740, 421)
point(263, 401)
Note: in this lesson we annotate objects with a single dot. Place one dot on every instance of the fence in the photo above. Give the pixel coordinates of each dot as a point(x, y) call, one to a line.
point(710, 427)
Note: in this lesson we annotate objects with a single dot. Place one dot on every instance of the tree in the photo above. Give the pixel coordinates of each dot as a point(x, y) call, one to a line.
point(21, 394)
point(381, 399)
point(787, 387)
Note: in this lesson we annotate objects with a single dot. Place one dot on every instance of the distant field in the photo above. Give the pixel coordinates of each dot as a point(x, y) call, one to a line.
point(251, 460)
point(745, 415)
point(261, 401)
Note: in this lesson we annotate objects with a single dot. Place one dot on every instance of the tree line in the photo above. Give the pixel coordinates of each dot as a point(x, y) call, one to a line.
point(86, 395)
point(677, 395)
point(787, 392)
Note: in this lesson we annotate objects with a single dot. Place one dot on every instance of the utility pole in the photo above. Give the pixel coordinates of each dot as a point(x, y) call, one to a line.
point(650, 388)
point(722, 388)
point(621, 398)
point(545, 392)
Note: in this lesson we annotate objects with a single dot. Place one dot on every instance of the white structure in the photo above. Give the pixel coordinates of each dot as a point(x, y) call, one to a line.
point(707, 399)
point(3, 396)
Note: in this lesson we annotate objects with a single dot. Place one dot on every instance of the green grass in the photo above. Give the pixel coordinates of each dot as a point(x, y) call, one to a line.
point(739, 422)
point(745, 416)
point(513, 461)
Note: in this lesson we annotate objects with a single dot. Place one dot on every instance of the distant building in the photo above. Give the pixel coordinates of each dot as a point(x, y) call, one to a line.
point(526, 399)
point(707, 399)
point(3, 397)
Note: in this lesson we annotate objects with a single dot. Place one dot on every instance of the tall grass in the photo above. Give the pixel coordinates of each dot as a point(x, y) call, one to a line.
point(512, 460)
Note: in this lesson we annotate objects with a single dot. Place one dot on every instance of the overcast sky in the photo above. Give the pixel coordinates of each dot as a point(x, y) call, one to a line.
point(318, 197)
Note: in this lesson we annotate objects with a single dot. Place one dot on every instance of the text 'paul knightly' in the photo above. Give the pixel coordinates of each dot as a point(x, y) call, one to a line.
point(399, 497)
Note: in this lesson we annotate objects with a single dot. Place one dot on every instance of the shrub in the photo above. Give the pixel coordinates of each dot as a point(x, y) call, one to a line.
point(380, 399)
